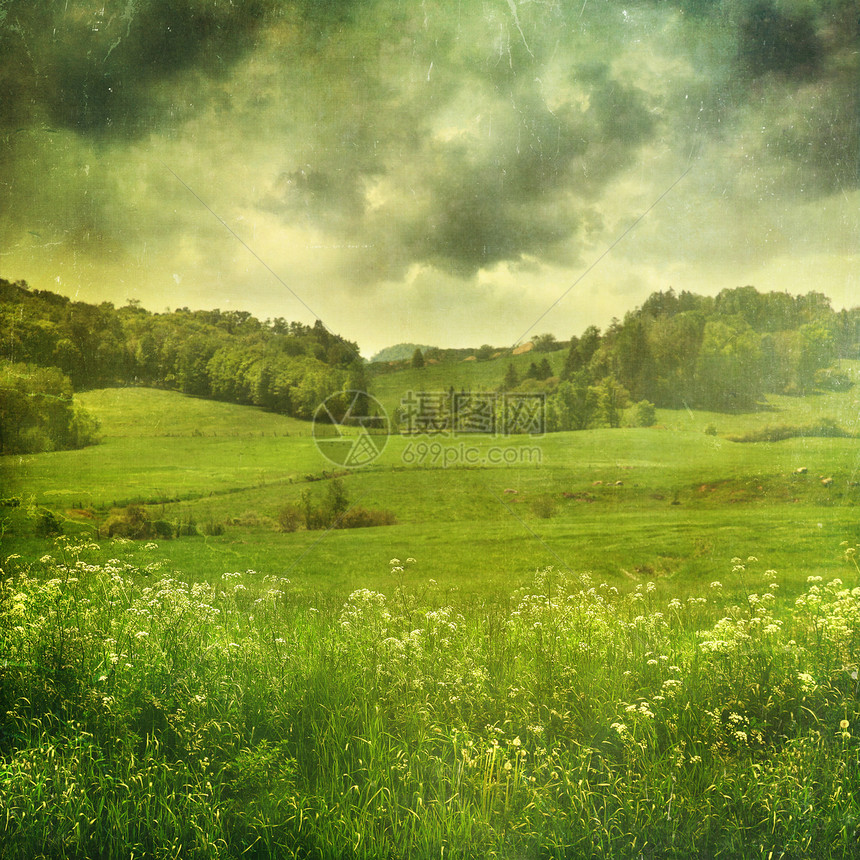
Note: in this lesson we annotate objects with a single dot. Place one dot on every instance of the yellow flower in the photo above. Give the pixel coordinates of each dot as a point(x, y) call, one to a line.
point(844, 725)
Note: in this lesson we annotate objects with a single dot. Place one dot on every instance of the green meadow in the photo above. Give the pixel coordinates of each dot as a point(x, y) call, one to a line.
point(669, 502)
point(632, 642)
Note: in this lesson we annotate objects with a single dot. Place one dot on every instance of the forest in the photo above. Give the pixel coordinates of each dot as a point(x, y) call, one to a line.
point(284, 367)
point(722, 354)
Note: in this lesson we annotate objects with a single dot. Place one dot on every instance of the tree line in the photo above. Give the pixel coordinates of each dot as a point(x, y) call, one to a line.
point(285, 367)
point(723, 353)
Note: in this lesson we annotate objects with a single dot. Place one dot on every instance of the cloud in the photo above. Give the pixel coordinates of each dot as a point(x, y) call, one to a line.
point(357, 143)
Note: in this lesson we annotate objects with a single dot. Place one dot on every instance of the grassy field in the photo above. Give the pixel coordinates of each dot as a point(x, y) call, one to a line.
point(614, 643)
point(668, 502)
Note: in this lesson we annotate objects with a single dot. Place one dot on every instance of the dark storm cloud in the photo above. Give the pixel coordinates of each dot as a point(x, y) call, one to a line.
point(526, 191)
point(774, 41)
point(794, 65)
point(99, 68)
point(456, 135)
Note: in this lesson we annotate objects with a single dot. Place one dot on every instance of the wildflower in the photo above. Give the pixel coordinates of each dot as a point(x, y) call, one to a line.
point(394, 561)
point(410, 561)
point(716, 584)
point(844, 725)
point(141, 634)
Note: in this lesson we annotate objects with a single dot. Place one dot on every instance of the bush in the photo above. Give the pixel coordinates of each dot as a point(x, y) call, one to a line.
point(290, 518)
point(187, 526)
point(361, 518)
point(163, 529)
point(46, 523)
point(645, 414)
point(132, 523)
point(710, 430)
point(833, 380)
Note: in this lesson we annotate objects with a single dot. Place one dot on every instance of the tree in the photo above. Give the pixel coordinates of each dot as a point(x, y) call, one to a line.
point(544, 369)
point(589, 343)
point(417, 359)
point(613, 399)
point(545, 343)
point(728, 369)
point(337, 501)
point(573, 359)
point(511, 379)
point(37, 412)
point(646, 414)
point(575, 403)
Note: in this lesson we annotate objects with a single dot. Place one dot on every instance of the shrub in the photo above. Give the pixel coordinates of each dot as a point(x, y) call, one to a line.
point(186, 526)
point(290, 518)
point(833, 380)
point(46, 523)
point(360, 518)
point(645, 414)
point(132, 523)
point(163, 529)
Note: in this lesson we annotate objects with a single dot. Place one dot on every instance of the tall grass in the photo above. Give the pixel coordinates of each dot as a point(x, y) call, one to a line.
point(144, 714)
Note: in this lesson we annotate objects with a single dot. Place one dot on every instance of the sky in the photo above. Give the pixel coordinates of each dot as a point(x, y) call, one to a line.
point(449, 173)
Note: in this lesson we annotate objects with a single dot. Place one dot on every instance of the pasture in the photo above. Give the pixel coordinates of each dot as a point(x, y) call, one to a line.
point(669, 502)
point(613, 643)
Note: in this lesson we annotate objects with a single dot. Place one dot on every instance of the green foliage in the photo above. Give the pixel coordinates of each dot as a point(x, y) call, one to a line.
point(400, 352)
point(417, 359)
point(511, 380)
point(38, 413)
point(227, 355)
point(132, 523)
point(334, 512)
point(825, 427)
point(545, 343)
point(290, 517)
point(645, 414)
point(142, 714)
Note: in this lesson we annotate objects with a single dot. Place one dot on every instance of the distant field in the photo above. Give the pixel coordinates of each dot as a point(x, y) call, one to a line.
point(668, 503)
point(389, 388)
